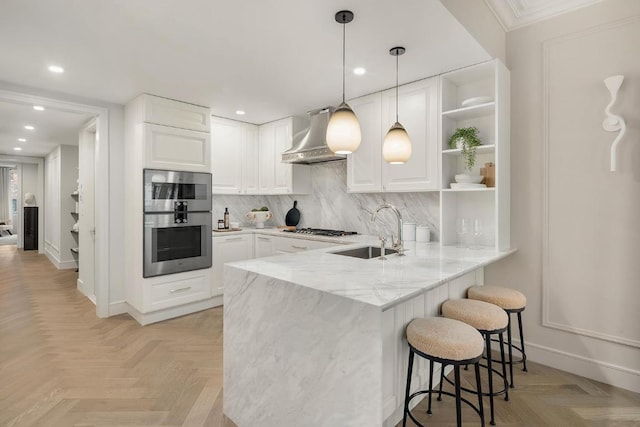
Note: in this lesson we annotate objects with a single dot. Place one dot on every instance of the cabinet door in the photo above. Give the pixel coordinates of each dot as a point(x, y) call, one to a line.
point(364, 167)
point(226, 156)
point(266, 153)
point(250, 147)
point(168, 112)
point(282, 171)
point(179, 149)
point(418, 111)
point(228, 249)
point(264, 246)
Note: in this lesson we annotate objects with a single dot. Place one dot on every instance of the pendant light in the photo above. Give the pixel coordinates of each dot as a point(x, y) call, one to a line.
point(343, 130)
point(396, 148)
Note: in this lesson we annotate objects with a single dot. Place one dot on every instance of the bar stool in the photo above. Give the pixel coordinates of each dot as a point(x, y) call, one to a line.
point(510, 301)
point(448, 342)
point(488, 319)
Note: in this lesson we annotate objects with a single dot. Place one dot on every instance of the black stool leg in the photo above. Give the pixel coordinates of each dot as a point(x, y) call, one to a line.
point(408, 391)
point(504, 368)
point(524, 355)
point(487, 340)
point(510, 345)
point(441, 381)
point(479, 388)
point(456, 369)
point(430, 384)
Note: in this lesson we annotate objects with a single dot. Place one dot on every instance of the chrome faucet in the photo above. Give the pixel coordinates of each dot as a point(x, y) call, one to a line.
point(398, 244)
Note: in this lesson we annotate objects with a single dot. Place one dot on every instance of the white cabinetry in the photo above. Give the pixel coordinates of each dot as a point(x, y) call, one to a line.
point(228, 249)
point(165, 134)
point(234, 156)
point(276, 177)
point(246, 158)
point(289, 245)
point(491, 116)
point(418, 106)
point(264, 246)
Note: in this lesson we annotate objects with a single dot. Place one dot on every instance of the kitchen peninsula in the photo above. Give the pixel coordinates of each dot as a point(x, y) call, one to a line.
point(317, 338)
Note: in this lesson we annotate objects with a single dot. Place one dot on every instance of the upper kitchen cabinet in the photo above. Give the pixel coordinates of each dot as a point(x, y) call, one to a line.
point(234, 156)
point(166, 142)
point(364, 167)
point(418, 106)
point(167, 112)
point(276, 177)
point(476, 96)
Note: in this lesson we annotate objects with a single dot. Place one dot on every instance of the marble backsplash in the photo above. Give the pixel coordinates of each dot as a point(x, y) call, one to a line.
point(330, 205)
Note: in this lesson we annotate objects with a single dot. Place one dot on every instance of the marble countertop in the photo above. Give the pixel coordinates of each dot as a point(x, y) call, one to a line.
point(371, 281)
point(279, 233)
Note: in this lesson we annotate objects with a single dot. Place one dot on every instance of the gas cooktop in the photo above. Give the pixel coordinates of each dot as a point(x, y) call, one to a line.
point(322, 232)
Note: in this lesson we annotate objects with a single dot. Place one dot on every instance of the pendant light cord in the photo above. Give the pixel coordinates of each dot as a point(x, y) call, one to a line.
point(397, 87)
point(344, 30)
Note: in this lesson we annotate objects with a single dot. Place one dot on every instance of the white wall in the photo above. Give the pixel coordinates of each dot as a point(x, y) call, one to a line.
point(481, 23)
point(577, 238)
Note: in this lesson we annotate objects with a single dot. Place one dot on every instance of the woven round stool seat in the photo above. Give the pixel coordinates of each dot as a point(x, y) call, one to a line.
point(445, 338)
point(481, 315)
point(508, 299)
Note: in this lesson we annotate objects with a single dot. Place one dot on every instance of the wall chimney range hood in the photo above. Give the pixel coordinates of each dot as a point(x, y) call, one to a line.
point(310, 146)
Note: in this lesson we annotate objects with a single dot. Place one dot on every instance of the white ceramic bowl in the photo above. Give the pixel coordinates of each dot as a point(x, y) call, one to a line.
point(469, 179)
point(259, 217)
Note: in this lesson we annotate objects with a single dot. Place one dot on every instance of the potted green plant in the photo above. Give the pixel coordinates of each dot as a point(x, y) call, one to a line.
point(467, 140)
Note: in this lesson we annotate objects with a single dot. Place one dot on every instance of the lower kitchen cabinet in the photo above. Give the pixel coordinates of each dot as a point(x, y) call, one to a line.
point(228, 249)
point(288, 245)
point(264, 246)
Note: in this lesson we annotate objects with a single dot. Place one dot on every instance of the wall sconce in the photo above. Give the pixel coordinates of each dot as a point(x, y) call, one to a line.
point(613, 122)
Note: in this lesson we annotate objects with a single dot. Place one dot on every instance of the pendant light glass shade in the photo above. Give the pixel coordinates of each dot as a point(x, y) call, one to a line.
point(343, 130)
point(396, 148)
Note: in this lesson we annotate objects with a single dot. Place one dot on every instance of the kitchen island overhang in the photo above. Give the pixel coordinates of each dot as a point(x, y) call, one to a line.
point(317, 339)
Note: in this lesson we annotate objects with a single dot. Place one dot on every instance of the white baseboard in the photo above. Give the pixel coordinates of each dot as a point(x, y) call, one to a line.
point(60, 265)
point(118, 307)
point(608, 373)
point(169, 313)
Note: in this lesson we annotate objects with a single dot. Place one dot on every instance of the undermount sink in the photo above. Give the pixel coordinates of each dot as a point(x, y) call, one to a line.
point(366, 252)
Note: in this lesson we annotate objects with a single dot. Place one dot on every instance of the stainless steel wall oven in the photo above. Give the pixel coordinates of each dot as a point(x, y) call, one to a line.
point(177, 222)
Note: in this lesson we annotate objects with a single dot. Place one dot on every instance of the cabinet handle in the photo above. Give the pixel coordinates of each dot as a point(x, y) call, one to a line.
point(229, 239)
point(264, 238)
point(173, 291)
point(299, 247)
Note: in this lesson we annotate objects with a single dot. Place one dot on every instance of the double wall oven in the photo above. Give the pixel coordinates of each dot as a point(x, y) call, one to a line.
point(177, 221)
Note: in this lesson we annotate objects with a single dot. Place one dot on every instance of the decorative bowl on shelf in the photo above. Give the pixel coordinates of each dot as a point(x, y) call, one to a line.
point(259, 217)
point(469, 179)
point(478, 100)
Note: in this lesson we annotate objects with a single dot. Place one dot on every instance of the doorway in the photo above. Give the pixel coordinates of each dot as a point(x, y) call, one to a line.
point(98, 289)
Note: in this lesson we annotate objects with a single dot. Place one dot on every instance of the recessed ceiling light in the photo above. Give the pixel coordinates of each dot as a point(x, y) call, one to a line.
point(29, 127)
point(22, 140)
point(240, 112)
point(17, 148)
point(56, 69)
point(359, 71)
point(38, 107)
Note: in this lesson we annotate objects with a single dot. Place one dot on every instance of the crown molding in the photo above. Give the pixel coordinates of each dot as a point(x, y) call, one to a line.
point(513, 14)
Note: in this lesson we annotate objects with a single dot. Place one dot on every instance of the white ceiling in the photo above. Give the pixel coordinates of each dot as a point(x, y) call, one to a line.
point(514, 14)
point(271, 58)
point(52, 128)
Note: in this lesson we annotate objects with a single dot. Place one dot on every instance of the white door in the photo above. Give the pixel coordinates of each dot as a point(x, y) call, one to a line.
point(86, 218)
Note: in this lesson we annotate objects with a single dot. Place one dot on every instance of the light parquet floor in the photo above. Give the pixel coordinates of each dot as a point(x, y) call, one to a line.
point(60, 365)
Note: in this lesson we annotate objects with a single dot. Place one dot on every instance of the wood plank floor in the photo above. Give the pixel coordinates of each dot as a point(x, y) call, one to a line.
point(62, 366)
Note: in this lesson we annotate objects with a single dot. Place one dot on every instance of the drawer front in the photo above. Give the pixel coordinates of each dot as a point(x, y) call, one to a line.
point(171, 294)
point(167, 112)
point(290, 245)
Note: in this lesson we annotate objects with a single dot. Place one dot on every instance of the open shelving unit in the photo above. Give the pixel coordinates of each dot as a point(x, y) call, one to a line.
point(76, 250)
point(490, 205)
